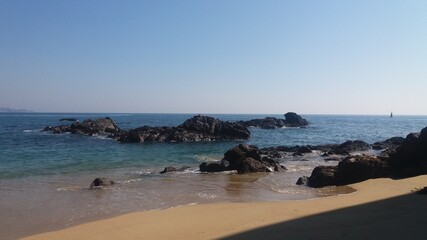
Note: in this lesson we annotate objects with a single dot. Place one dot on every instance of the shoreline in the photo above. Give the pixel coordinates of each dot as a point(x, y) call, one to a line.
point(380, 208)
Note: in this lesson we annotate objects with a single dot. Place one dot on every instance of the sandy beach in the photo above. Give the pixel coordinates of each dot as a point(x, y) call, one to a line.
point(379, 209)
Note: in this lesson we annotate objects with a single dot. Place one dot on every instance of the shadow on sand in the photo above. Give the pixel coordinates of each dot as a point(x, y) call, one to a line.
point(403, 217)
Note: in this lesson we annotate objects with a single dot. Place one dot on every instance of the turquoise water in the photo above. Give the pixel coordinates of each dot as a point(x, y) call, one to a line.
point(26, 151)
point(45, 176)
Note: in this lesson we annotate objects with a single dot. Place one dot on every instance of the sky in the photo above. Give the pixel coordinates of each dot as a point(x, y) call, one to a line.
point(267, 57)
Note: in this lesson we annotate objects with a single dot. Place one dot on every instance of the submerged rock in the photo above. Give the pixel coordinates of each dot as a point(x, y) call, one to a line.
point(100, 182)
point(173, 169)
point(302, 180)
point(244, 159)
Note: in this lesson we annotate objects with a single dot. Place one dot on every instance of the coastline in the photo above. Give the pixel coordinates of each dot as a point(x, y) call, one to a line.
point(380, 209)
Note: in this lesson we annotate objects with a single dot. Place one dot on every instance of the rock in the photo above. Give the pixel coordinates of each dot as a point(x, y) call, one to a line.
point(391, 143)
point(350, 146)
point(100, 182)
point(215, 127)
point(58, 129)
point(265, 123)
point(360, 168)
point(198, 128)
point(302, 180)
point(294, 120)
point(350, 170)
point(302, 150)
point(291, 120)
point(169, 169)
point(244, 159)
point(92, 127)
point(410, 158)
point(173, 169)
point(102, 126)
point(322, 176)
point(213, 167)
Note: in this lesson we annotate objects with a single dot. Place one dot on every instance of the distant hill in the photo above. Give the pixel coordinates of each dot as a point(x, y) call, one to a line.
point(6, 109)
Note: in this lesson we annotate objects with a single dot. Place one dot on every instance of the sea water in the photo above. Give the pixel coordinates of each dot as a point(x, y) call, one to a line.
point(44, 177)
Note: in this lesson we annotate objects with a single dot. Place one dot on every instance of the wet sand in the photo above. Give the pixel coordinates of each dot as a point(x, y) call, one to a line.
point(379, 209)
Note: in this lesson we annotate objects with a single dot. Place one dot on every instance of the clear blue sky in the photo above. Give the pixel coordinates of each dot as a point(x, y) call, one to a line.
point(336, 57)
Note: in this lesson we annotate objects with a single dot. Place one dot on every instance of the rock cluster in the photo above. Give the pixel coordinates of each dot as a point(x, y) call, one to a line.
point(244, 159)
point(350, 170)
point(101, 126)
point(196, 129)
point(405, 158)
point(291, 120)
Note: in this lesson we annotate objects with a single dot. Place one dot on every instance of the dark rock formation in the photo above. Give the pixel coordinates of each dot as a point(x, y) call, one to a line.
point(173, 169)
point(361, 167)
point(58, 129)
point(214, 167)
point(102, 126)
point(244, 159)
point(323, 176)
point(350, 146)
point(391, 143)
point(295, 120)
point(410, 158)
point(198, 128)
point(350, 170)
point(265, 123)
point(92, 127)
point(345, 148)
point(100, 182)
point(291, 120)
point(169, 169)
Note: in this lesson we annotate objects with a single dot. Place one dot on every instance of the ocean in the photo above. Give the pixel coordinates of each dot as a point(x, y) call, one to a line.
point(44, 177)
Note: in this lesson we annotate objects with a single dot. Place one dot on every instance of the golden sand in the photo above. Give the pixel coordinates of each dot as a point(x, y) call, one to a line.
point(379, 209)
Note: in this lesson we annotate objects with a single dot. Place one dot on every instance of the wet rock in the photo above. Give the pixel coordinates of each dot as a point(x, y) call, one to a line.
point(213, 167)
point(173, 169)
point(302, 180)
point(322, 176)
point(244, 159)
point(169, 169)
point(350, 170)
point(100, 182)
